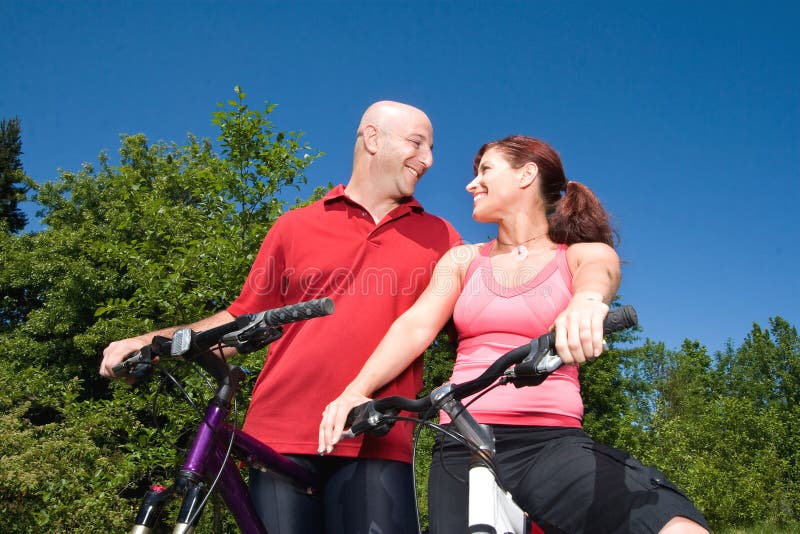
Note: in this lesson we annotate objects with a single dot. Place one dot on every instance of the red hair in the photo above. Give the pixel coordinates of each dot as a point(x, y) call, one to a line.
point(574, 217)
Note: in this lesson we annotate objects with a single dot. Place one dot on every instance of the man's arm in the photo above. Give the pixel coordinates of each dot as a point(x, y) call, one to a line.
point(117, 351)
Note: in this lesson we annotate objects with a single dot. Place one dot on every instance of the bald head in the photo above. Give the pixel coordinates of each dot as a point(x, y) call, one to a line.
point(387, 114)
point(393, 149)
point(393, 118)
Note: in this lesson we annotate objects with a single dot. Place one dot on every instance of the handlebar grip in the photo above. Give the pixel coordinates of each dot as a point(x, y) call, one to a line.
point(542, 358)
point(370, 417)
point(299, 312)
point(126, 366)
point(616, 320)
point(138, 366)
point(620, 319)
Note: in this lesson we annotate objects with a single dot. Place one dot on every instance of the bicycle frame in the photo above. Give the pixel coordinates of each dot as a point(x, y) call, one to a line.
point(217, 443)
point(491, 509)
point(212, 453)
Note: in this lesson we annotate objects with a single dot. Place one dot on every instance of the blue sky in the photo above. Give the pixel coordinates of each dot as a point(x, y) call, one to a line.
point(684, 117)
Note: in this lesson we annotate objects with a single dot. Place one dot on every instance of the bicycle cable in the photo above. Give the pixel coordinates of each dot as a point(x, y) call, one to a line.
point(213, 484)
point(419, 424)
point(166, 378)
point(223, 463)
point(414, 441)
point(490, 462)
point(175, 382)
point(161, 389)
point(449, 433)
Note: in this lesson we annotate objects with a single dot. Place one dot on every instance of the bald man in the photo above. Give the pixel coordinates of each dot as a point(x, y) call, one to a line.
point(370, 247)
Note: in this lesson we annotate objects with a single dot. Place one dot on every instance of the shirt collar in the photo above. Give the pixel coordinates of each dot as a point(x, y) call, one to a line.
point(338, 193)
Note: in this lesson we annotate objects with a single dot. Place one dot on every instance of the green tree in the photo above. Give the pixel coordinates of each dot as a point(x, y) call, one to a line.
point(608, 391)
point(13, 183)
point(765, 371)
point(728, 459)
point(724, 429)
point(666, 383)
point(766, 366)
point(165, 237)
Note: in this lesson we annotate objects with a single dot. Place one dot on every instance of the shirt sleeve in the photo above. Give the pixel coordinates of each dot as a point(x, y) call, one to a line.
point(262, 288)
point(454, 239)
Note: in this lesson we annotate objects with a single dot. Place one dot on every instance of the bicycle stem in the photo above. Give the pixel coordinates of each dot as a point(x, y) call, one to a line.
point(477, 433)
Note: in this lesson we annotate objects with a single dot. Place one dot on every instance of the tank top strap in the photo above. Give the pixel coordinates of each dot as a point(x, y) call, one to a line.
point(562, 264)
point(481, 259)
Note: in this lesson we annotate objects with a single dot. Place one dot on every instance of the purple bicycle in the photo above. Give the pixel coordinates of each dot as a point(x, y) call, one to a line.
point(212, 463)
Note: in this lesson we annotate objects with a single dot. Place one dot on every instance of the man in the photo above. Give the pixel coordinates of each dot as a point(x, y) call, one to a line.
point(371, 248)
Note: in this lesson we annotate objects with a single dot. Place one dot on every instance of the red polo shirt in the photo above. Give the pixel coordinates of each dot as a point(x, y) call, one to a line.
point(373, 272)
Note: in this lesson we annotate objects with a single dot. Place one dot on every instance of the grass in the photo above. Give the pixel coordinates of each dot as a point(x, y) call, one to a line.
point(761, 529)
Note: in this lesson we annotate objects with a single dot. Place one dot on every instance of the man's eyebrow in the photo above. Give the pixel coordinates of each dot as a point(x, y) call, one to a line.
point(420, 137)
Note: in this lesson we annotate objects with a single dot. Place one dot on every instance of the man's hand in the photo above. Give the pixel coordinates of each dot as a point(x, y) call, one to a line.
point(116, 352)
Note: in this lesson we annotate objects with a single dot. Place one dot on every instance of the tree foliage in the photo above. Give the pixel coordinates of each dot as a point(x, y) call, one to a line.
point(723, 428)
point(165, 237)
point(13, 182)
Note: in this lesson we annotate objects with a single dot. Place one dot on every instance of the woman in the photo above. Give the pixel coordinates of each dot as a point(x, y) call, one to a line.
point(552, 264)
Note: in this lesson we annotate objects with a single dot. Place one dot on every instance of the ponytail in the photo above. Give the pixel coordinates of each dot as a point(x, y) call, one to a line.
point(575, 217)
point(580, 218)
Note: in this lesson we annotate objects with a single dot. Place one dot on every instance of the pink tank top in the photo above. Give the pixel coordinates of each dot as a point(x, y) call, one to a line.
point(493, 316)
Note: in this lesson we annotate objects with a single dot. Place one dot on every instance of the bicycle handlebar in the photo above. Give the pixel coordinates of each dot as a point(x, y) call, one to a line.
point(248, 332)
point(532, 363)
point(542, 360)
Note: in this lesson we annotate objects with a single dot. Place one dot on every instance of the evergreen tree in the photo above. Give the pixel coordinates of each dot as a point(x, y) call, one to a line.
point(13, 184)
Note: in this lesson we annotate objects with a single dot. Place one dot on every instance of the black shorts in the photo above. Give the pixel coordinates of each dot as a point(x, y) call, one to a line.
point(564, 480)
point(359, 496)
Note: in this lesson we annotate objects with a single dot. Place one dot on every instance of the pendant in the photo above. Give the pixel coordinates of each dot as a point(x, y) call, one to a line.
point(520, 252)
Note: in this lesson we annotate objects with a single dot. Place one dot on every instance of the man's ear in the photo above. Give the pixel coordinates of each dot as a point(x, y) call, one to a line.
point(371, 136)
point(529, 173)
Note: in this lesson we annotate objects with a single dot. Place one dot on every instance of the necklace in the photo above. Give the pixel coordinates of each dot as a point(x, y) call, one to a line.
point(520, 251)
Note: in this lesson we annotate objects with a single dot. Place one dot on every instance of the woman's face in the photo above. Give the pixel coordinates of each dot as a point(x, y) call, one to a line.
point(495, 189)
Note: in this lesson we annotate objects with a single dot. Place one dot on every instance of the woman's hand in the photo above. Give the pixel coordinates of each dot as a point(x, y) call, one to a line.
point(334, 417)
point(579, 328)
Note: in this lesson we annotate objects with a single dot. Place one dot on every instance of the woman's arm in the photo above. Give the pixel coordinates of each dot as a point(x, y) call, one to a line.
point(595, 280)
point(407, 338)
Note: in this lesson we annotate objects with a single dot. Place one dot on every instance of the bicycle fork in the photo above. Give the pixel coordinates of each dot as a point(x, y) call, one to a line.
point(157, 497)
point(189, 484)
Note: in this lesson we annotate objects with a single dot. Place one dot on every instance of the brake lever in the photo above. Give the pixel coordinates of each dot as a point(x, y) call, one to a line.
point(241, 336)
point(534, 368)
point(258, 339)
point(540, 362)
point(138, 366)
point(365, 418)
point(256, 334)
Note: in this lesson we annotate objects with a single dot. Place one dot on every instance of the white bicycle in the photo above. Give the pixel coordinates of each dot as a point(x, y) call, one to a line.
point(492, 510)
